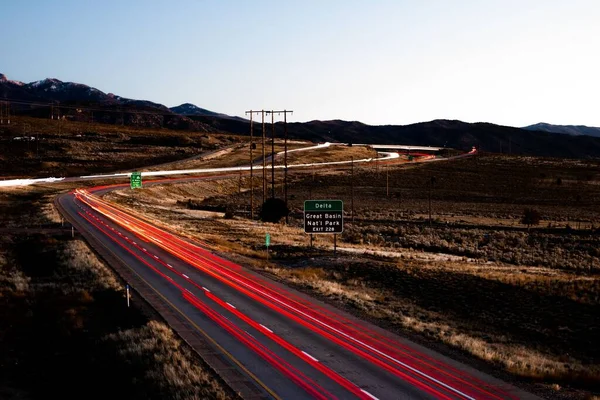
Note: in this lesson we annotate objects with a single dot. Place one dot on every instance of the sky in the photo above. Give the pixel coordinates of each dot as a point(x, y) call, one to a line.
point(509, 62)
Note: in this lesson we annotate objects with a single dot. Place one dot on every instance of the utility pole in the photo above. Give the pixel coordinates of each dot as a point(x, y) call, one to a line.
point(285, 165)
point(264, 161)
point(251, 163)
point(352, 189)
point(272, 155)
point(387, 180)
point(431, 182)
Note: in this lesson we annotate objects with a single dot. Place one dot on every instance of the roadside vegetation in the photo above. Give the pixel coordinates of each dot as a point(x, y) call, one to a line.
point(478, 281)
point(40, 147)
point(66, 331)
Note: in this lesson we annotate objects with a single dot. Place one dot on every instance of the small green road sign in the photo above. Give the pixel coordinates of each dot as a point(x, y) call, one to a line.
point(136, 180)
point(323, 216)
point(267, 240)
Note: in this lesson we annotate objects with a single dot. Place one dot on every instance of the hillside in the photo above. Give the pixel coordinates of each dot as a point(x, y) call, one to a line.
point(78, 102)
point(189, 110)
point(574, 130)
point(450, 133)
point(82, 103)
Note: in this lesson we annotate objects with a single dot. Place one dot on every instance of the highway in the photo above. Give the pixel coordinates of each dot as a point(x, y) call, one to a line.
point(279, 342)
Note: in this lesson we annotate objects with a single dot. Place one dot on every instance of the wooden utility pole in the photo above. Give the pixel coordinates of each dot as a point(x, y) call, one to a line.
point(352, 189)
point(387, 180)
point(272, 155)
point(431, 182)
point(251, 163)
point(4, 112)
point(285, 165)
point(264, 161)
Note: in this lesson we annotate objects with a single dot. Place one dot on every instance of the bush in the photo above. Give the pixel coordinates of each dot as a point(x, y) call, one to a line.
point(530, 217)
point(273, 210)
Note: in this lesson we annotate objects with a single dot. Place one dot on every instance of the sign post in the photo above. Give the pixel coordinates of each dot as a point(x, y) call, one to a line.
point(267, 244)
point(135, 180)
point(324, 216)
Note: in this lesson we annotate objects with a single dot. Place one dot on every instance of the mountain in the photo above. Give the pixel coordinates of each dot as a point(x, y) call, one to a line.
point(450, 133)
point(81, 102)
point(189, 110)
point(574, 130)
point(77, 101)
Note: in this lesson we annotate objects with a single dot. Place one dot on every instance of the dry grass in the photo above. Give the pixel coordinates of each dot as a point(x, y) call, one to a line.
point(331, 153)
point(498, 349)
point(168, 362)
point(82, 148)
point(85, 269)
point(57, 285)
point(524, 302)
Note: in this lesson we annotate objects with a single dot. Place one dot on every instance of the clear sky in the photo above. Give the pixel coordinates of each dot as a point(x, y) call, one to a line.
point(511, 62)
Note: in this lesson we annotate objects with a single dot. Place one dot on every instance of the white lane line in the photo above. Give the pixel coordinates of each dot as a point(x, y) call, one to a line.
point(134, 243)
point(185, 276)
point(169, 265)
point(126, 238)
point(231, 305)
point(371, 348)
point(369, 394)
point(266, 328)
point(308, 355)
point(189, 291)
point(156, 240)
point(156, 257)
point(206, 289)
point(144, 249)
point(169, 278)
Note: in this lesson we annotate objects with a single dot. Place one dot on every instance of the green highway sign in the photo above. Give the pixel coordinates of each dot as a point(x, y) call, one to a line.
point(323, 205)
point(136, 180)
point(267, 240)
point(323, 216)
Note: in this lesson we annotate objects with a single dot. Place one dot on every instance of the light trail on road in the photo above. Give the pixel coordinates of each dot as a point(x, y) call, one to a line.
point(426, 373)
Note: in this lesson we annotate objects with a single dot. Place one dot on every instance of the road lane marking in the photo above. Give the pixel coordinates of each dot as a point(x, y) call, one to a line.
point(369, 394)
point(311, 357)
point(266, 328)
point(206, 335)
point(185, 276)
point(230, 305)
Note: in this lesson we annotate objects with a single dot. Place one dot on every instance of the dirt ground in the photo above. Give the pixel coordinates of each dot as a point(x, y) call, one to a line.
point(522, 302)
point(56, 336)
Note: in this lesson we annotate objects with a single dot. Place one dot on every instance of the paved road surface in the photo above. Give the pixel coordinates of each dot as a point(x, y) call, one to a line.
point(284, 343)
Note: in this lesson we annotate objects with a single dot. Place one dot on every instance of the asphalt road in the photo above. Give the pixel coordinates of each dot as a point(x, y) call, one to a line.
point(287, 344)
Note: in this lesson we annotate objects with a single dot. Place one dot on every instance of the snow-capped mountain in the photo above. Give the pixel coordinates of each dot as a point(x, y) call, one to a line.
point(34, 98)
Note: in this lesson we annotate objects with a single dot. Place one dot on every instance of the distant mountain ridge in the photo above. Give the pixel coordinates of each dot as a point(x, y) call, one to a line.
point(35, 98)
point(84, 103)
point(574, 130)
point(189, 109)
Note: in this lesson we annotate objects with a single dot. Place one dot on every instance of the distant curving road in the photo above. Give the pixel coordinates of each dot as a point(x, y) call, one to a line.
point(268, 341)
